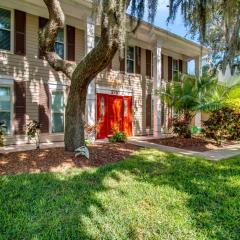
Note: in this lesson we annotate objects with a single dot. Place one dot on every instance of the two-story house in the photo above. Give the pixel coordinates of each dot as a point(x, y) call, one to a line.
point(122, 96)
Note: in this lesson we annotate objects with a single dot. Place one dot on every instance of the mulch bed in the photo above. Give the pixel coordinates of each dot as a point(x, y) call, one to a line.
point(196, 144)
point(57, 159)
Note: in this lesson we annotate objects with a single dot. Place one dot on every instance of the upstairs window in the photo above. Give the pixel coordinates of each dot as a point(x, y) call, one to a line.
point(130, 59)
point(59, 43)
point(175, 68)
point(5, 29)
point(57, 109)
point(5, 107)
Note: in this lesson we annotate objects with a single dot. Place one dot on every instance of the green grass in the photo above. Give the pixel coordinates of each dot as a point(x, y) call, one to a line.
point(152, 195)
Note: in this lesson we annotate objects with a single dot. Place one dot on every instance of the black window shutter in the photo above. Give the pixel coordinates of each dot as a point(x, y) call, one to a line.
point(149, 111)
point(42, 22)
point(162, 70)
point(19, 107)
point(170, 68)
point(148, 63)
point(43, 110)
point(137, 60)
point(20, 33)
point(180, 66)
point(70, 43)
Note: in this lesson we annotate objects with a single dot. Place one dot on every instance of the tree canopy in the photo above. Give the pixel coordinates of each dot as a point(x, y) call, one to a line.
point(218, 24)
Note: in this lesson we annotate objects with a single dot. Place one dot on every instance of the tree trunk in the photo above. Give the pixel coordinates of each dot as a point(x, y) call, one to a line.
point(81, 74)
point(188, 119)
point(75, 118)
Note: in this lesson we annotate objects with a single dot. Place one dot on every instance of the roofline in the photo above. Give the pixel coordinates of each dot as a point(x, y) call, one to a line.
point(88, 3)
point(174, 35)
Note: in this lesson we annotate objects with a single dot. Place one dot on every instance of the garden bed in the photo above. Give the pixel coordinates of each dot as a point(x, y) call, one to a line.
point(196, 144)
point(57, 159)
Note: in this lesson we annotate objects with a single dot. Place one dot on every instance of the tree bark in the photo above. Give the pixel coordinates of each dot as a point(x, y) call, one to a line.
point(74, 136)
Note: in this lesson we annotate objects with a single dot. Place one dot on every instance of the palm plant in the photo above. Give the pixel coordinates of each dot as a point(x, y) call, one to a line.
point(187, 95)
point(222, 94)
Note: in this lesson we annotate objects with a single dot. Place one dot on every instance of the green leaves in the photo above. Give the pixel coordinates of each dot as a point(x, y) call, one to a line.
point(188, 93)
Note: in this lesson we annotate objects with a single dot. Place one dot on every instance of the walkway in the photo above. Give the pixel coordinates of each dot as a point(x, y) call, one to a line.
point(214, 155)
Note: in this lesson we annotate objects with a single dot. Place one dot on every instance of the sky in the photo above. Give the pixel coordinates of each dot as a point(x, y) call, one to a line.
point(160, 20)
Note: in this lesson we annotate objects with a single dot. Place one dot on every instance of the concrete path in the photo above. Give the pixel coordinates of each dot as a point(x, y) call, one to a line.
point(31, 146)
point(214, 155)
point(28, 147)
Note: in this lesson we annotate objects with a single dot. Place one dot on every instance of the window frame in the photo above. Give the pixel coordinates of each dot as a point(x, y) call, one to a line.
point(11, 31)
point(64, 42)
point(6, 82)
point(174, 71)
point(126, 61)
point(51, 110)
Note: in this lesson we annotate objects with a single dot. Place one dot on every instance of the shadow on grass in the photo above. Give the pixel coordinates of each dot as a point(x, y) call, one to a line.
point(67, 205)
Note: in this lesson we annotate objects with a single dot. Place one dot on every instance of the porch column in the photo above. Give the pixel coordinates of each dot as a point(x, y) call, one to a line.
point(198, 73)
point(91, 95)
point(157, 66)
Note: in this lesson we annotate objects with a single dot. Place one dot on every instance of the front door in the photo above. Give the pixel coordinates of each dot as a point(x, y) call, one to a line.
point(113, 112)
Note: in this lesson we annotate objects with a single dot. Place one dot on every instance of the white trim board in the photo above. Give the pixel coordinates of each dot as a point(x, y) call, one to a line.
point(57, 86)
point(114, 91)
point(6, 80)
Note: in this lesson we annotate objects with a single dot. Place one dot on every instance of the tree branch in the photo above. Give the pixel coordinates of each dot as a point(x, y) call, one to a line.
point(47, 38)
point(100, 57)
point(96, 60)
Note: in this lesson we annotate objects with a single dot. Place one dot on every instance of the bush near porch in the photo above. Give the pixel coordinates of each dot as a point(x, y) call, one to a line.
point(151, 195)
point(223, 124)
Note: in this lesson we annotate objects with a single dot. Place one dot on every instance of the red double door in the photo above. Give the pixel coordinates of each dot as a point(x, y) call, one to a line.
point(113, 112)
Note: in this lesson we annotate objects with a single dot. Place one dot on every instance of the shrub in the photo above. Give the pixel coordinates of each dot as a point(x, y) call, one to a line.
point(196, 130)
point(2, 133)
point(181, 127)
point(33, 132)
point(88, 141)
point(118, 136)
point(233, 104)
point(223, 124)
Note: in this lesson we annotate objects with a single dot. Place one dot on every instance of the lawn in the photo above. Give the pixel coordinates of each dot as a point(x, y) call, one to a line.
point(151, 195)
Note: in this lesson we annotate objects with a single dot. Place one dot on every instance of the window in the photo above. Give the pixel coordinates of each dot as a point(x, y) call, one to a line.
point(5, 29)
point(125, 107)
point(5, 107)
point(59, 44)
point(175, 68)
point(102, 107)
point(57, 107)
point(130, 59)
